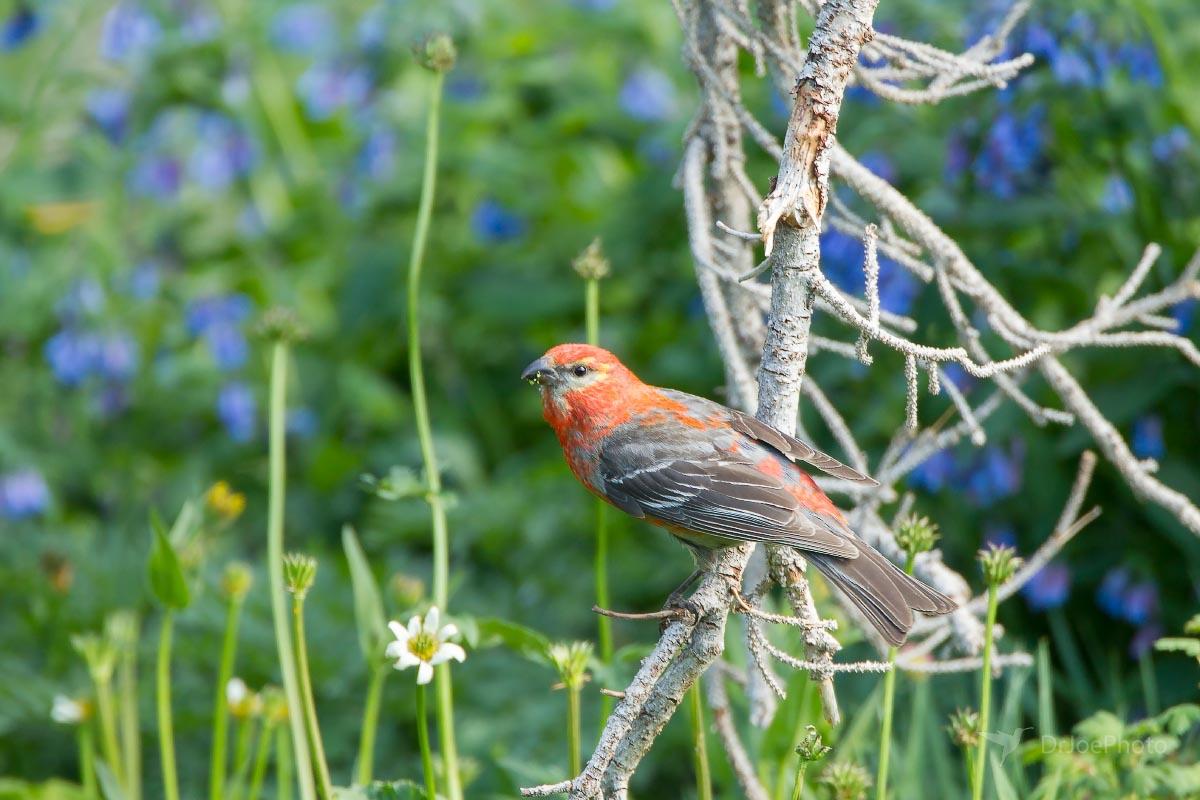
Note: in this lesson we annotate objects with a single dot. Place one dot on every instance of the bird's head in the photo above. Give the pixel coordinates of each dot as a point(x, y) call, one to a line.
point(578, 377)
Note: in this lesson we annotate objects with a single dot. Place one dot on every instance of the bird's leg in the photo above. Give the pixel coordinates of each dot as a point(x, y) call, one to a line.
point(676, 598)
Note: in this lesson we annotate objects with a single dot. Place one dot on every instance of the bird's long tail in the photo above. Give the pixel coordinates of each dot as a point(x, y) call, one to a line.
point(883, 592)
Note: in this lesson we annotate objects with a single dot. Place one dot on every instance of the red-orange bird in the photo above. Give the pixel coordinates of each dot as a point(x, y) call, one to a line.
point(714, 477)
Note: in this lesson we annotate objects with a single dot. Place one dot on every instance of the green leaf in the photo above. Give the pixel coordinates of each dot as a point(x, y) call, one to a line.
point(1103, 728)
point(380, 790)
point(165, 572)
point(1004, 787)
point(527, 642)
point(368, 605)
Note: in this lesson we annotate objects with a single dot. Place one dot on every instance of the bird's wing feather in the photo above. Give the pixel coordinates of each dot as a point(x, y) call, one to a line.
point(717, 496)
point(788, 446)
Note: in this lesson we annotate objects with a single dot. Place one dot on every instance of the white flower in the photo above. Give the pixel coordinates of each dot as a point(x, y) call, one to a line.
point(423, 645)
point(68, 710)
point(242, 702)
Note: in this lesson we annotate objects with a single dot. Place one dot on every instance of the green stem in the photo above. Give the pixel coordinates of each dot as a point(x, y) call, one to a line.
point(591, 305)
point(275, 513)
point(87, 762)
point(985, 696)
point(166, 728)
point(131, 734)
point(261, 757)
point(248, 731)
point(217, 766)
point(798, 788)
point(423, 740)
point(324, 785)
point(441, 543)
point(283, 766)
point(574, 739)
point(370, 722)
point(107, 711)
point(699, 745)
point(889, 704)
point(1149, 684)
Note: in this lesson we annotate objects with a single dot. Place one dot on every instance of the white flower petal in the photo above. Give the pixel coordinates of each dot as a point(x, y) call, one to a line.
point(448, 651)
point(414, 626)
point(398, 630)
point(66, 711)
point(424, 673)
point(407, 660)
point(235, 691)
point(395, 650)
point(448, 632)
point(431, 620)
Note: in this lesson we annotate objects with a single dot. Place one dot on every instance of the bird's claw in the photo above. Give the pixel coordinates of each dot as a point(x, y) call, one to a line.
point(683, 608)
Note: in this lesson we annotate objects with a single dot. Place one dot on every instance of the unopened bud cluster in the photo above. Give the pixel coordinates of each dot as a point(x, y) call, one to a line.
point(591, 265)
point(999, 562)
point(299, 573)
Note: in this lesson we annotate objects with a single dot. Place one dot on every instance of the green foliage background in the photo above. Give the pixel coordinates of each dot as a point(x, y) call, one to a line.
point(534, 123)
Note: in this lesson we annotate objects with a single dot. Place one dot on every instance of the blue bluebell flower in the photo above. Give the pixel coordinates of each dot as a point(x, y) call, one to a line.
point(657, 151)
point(117, 356)
point(1049, 587)
point(156, 176)
point(72, 355)
point(648, 95)
point(880, 164)
point(302, 422)
point(1139, 602)
point(1172, 144)
point(1012, 152)
point(109, 109)
point(222, 154)
point(238, 411)
point(995, 473)
point(1111, 592)
point(1147, 440)
point(935, 472)
point(1000, 535)
point(377, 157)
point(1118, 195)
point(204, 312)
point(962, 379)
point(200, 24)
point(327, 88)
point(227, 345)
point(305, 28)
point(1140, 59)
point(898, 288)
point(129, 32)
point(492, 223)
point(1143, 640)
point(1072, 68)
point(372, 28)
point(464, 87)
point(1182, 313)
point(21, 26)
point(83, 298)
point(23, 494)
point(144, 281)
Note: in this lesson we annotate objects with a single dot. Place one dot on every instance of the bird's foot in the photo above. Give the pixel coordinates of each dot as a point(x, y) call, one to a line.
point(683, 608)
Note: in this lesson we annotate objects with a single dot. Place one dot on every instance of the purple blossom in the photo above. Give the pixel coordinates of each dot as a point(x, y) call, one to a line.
point(143, 282)
point(1172, 144)
point(109, 109)
point(223, 153)
point(304, 28)
point(23, 494)
point(880, 164)
point(129, 32)
point(227, 345)
point(1141, 61)
point(117, 356)
point(21, 26)
point(238, 411)
point(492, 223)
point(1118, 195)
point(1048, 587)
point(377, 157)
point(1182, 313)
point(1111, 592)
point(1147, 440)
point(1139, 603)
point(1143, 640)
point(1011, 153)
point(372, 28)
point(962, 379)
point(84, 298)
point(935, 472)
point(999, 535)
point(156, 176)
point(648, 95)
point(325, 89)
point(1072, 68)
point(464, 87)
point(995, 474)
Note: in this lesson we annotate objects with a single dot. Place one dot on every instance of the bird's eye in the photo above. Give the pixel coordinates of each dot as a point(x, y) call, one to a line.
point(580, 370)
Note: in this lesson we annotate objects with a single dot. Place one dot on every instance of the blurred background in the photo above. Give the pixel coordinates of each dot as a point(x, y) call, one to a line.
point(170, 169)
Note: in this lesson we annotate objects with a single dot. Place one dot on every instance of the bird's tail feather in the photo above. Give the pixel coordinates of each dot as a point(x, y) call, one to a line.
point(883, 592)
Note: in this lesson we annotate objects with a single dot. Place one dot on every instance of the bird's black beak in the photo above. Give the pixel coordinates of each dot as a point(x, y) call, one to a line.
point(538, 372)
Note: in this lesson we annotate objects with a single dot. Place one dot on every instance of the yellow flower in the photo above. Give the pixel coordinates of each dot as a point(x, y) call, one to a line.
point(55, 218)
point(223, 500)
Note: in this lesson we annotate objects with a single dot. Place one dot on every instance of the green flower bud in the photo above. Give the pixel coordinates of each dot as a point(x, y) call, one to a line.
point(916, 534)
point(571, 661)
point(964, 727)
point(407, 590)
point(591, 264)
point(237, 580)
point(98, 652)
point(299, 573)
point(121, 629)
point(999, 562)
point(846, 780)
point(437, 52)
point(812, 747)
point(281, 324)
